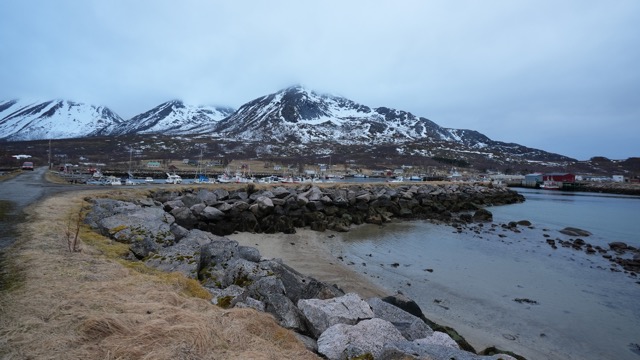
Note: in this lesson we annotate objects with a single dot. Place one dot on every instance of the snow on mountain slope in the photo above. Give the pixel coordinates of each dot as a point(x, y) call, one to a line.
point(297, 114)
point(173, 118)
point(55, 119)
point(293, 117)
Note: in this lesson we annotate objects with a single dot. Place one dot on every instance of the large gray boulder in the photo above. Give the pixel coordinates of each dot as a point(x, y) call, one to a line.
point(298, 286)
point(184, 217)
point(342, 341)
point(147, 230)
point(103, 208)
point(437, 347)
point(216, 256)
point(242, 272)
point(411, 327)
point(183, 257)
point(211, 213)
point(251, 303)
point(125, 225)
point(285, 312)
point(173, 204)
point(221, 194)
point(280, 192)
point(189, 199)
point(207, 197)
point(271, 292)
point(322, 314)
point(226, 297)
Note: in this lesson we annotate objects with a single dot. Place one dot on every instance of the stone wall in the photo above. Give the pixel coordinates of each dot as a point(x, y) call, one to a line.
point(281, 209)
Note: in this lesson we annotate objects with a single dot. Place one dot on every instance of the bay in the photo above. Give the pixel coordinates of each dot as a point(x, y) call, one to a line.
point(571, 304)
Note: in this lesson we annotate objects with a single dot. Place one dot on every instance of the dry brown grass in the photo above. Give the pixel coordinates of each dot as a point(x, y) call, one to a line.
point(10, 175)
point(55, 178)
point(87, 305)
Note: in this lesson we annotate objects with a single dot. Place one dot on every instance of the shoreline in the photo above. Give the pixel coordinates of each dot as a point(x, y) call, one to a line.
point(309, 252)
point(314, 254)
point(323, 255)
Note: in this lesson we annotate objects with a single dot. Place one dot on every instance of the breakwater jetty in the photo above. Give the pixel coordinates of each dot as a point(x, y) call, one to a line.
point(283, 209)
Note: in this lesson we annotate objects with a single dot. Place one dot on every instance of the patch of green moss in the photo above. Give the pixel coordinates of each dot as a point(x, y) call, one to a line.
point(117, 229)
point(242, 280)
point(225, 302)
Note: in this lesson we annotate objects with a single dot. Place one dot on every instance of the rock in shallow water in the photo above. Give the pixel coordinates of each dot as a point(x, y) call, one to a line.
point(571, 231)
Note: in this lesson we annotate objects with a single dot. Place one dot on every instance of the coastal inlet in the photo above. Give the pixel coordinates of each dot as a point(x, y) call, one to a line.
point(174, 231)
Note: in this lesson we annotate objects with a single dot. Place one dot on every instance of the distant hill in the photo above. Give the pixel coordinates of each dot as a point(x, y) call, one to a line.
point(172, 118)
point(54, 119)
point(291, 122)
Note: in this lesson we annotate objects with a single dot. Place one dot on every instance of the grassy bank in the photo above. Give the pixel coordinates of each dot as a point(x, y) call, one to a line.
point(88, 304)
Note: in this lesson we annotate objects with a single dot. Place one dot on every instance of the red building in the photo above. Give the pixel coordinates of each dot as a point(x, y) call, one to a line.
point(559, 177)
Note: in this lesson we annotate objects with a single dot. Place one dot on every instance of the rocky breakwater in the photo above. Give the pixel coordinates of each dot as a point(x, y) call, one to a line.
point(328, 321)
point(281, 209)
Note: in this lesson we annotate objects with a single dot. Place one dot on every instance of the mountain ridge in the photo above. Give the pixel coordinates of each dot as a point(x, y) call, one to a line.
point(294, 117)
point(30, 120)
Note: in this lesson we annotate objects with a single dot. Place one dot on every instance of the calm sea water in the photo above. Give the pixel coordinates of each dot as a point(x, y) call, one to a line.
point(609, 217)
point(578, 308)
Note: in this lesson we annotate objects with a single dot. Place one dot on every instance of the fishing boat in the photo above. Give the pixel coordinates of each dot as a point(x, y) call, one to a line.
point(551, 185)
point(203, 179)
point(173, 179)
point(113, 181)
point(397, 179)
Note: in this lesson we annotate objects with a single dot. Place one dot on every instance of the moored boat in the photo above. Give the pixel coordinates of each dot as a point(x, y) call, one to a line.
point(551, 185)
point(173, 179)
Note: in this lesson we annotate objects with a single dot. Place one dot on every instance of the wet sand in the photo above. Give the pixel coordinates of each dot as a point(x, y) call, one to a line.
point(462, 294)
point(309, 252)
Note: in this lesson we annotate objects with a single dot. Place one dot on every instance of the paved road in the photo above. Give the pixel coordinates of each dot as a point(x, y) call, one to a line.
point(20, 192)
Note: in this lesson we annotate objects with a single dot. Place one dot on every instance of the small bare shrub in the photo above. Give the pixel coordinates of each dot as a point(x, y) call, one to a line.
point(72, 242)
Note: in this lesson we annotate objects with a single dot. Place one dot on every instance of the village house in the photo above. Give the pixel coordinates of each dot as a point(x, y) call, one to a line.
point(559, 177)
point(532, 179)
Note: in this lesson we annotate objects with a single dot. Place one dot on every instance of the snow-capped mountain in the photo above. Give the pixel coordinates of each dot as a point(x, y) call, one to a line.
point(290, 121)
point(172, 118)
point(299, 115)
point(55, 119)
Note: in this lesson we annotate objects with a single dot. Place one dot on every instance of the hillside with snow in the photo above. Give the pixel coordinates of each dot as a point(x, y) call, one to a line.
point(300, 115)
point(55, 119)
point(292, 122)
point(173, 118)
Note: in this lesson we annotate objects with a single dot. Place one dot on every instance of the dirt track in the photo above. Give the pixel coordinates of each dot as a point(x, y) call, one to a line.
point(19, 192)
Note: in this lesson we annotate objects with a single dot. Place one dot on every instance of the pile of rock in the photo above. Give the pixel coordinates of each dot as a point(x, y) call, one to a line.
point(281, 209)
point(328, 321)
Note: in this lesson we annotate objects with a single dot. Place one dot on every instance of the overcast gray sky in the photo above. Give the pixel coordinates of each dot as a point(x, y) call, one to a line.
point(562, 76)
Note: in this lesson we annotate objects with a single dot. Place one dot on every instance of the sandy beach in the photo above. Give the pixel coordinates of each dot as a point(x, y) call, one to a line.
point(499, 321)
point(309, 252)
point(316, 254)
